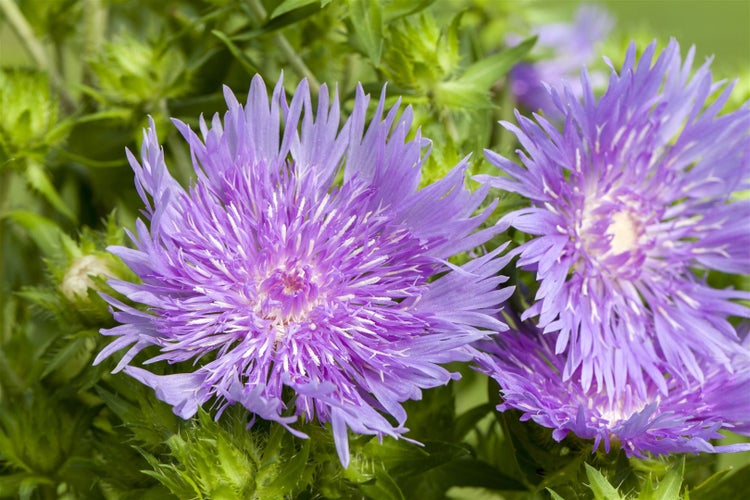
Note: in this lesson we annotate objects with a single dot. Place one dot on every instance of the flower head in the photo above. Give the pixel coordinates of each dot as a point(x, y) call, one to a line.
point(631, 205)
point(565, 48)
point(304, 257)
point(529, 371)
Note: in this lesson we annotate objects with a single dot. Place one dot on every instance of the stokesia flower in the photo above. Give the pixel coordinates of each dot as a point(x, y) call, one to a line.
point(529, 372)
point(562, 48)
point(632, 205)
point(304, 257)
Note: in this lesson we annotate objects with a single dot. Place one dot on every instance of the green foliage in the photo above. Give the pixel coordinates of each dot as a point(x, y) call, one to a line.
point(222, 460)
point(136, 76)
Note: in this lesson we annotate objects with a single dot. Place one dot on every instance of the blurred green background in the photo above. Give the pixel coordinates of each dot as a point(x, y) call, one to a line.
point(716, 27)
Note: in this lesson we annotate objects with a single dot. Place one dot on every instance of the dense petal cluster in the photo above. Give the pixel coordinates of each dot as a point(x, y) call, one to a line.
point(304, 257)
point(568, 46)
point(632, 204)
point(684, 420)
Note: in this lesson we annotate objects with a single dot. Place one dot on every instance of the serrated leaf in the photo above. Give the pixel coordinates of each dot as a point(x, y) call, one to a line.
point(292, 472)
point(47, 235)
point(600, 486)
point(71, 348)
point(63, 355)
point(39, 181)
point(669, 487)
point(367, 21)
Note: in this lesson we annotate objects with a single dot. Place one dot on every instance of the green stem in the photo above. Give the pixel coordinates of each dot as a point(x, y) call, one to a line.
point(181, 158)
point(5, 179)
point(36, 50)
point(95, 23)
point(287, 50)
point(506, 114)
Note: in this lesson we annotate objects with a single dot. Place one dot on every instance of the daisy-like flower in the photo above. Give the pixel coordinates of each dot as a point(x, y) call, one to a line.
point(563, 49)
point(529, 371)
point(632, 205)
point(304, 258)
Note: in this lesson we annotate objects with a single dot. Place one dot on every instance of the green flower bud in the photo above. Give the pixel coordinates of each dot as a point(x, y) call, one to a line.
point(29, 115)
point(131, 72)
point(78, 277)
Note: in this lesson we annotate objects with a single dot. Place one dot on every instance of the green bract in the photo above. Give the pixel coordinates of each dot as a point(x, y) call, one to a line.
point(131, 72)
point(29, 116)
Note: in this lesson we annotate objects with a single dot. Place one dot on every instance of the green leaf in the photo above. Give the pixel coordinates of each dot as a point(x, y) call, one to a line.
point(600, 486)
point(280, 21)
point(485, 72)
point(237, 52)
point(70, 349)
point(724, 484)
point(538, 456)
point(383, 487)
point(554, 495)
point(404, 459)
point(397, 9)
point(367, 21)
point(470, 89)
point(290, 5)
point(10, 485)
point(47, 235)
point(292, 471)
point(468, 420)
point(38, 180)
point(669, 487)
point(472, 472)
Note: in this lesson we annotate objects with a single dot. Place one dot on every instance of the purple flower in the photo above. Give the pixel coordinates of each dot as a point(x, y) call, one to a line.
point(529, 371)
point(632, 205)
point(563, 50)
point(304, 257)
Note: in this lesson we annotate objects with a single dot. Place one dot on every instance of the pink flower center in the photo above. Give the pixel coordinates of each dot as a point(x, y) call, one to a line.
point(288, 294)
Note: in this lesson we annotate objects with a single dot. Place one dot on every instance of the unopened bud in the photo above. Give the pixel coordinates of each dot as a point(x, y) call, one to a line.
point(77, 280)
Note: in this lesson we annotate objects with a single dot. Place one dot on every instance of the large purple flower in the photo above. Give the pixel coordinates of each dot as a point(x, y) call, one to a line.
point(304, 257)
point(562, 48)
point(529, 371)
point(632, 205)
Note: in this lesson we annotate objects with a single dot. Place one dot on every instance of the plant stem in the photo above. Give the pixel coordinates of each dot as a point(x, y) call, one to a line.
point(95, 22)
point(286, 48)
point(5, 179)
point(506, 114)
point(36, 50)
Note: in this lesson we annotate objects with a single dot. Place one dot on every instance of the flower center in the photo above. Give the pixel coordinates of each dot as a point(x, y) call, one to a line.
point(622, 410)
point(611, 231)
point(624, 232)
point(288, 294)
